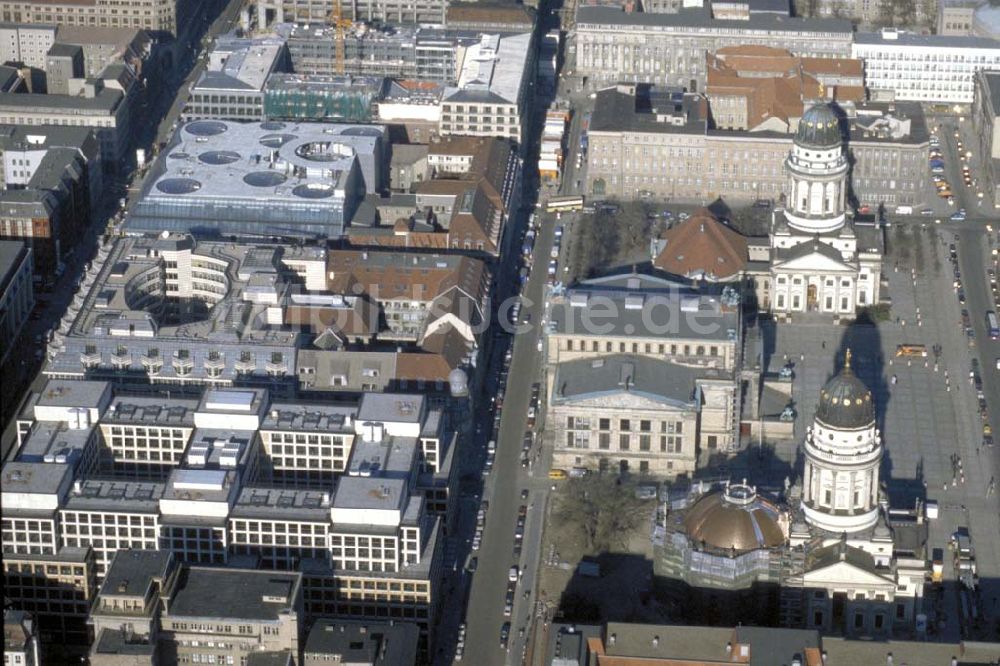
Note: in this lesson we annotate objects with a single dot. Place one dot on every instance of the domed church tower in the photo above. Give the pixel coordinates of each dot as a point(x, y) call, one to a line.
point(817, 173)
point(843, 452)
point(820, 261)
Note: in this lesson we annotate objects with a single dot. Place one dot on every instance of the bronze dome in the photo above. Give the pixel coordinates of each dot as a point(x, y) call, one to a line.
point(845, 402)
point(735, 519)
point(819, 127)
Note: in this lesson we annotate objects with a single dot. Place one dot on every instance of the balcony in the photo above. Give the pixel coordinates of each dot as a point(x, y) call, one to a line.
point(246, 365)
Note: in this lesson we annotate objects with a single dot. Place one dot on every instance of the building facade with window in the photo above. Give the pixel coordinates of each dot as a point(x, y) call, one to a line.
point(615, 46)
point(232, 85)
point(820, 260)
point(604, 336)
point(355, 496)
point(17, 296)
point(489, 97)
point(923, 68)
point(632, 129)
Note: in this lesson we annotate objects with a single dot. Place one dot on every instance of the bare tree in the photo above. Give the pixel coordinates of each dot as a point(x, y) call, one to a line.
point(604, 508)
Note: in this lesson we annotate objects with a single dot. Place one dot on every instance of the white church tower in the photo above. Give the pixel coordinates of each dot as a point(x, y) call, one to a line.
point(819, 261)
point(843, 452)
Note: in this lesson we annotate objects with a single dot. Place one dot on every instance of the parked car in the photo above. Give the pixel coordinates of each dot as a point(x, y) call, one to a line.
point(505, 635)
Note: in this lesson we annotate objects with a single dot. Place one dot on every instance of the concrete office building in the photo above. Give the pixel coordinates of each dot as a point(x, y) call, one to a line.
point(97, 104)
point(633, 128)
point(232, 85)
point(301, 180)
point(26, 43)
point(604, 421)
point(923, 68)
point(374, 11)
point(489, 97)
point(166, 309)
point(360, 643)
point(669, 49)
point(51, 184)
point(30, 579)
point(103, 46)
point(985, 107)
point(177, 613)
point(63, 63)
point(955, 18)
point(17, 298)
point(354, 496)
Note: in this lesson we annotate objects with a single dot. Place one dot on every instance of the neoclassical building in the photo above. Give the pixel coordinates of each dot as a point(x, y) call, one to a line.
point(820, 260)
point(831, 556)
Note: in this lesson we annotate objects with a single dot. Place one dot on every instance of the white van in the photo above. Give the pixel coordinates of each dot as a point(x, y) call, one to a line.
point(904, 210)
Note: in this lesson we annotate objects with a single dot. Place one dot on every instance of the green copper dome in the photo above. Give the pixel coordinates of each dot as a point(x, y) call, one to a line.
point(819, 128)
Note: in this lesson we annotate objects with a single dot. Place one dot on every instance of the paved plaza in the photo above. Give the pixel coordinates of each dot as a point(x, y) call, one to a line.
point(928, 415)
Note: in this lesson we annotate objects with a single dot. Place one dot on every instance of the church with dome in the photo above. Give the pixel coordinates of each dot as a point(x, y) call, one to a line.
point(820, 260)
point(827, 553)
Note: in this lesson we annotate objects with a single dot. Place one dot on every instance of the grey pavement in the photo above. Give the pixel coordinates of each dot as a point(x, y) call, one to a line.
point(929, 414)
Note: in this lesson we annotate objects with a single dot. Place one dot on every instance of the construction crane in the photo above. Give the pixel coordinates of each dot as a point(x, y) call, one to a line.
point(340, 24)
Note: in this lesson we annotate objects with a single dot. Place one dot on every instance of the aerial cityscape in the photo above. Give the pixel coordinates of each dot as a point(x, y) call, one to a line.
point(554, 333)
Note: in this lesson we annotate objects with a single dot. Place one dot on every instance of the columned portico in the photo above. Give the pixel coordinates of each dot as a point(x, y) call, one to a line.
point(816, 262)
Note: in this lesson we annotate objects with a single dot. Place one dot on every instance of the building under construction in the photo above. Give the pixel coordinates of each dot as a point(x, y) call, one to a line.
point(401, 52)
point(342, 98)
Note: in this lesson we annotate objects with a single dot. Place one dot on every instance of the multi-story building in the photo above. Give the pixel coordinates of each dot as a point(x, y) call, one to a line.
point(955, 18)
point(20, 642)
point(94, 103)
point(50, 188)
point(673, 645)
point(167, 16)
point(419, 296)
point(154, 609)
point(170, 310)
point(372, 11)
point(764, 88)
point(103, 46)
point(490, 16)
point(610, 376)
point(26, 43)
point(465, 209)
point(923, 68)
point(278, 180)
point(403, 51)
point(489, 97)
point(647, 144)
point(669, 49)
point(356, 495)
point(631, 414)
point(17, 298)
point(986, 105)
point(231, 87)
point(360, 643)
point(57, 588)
